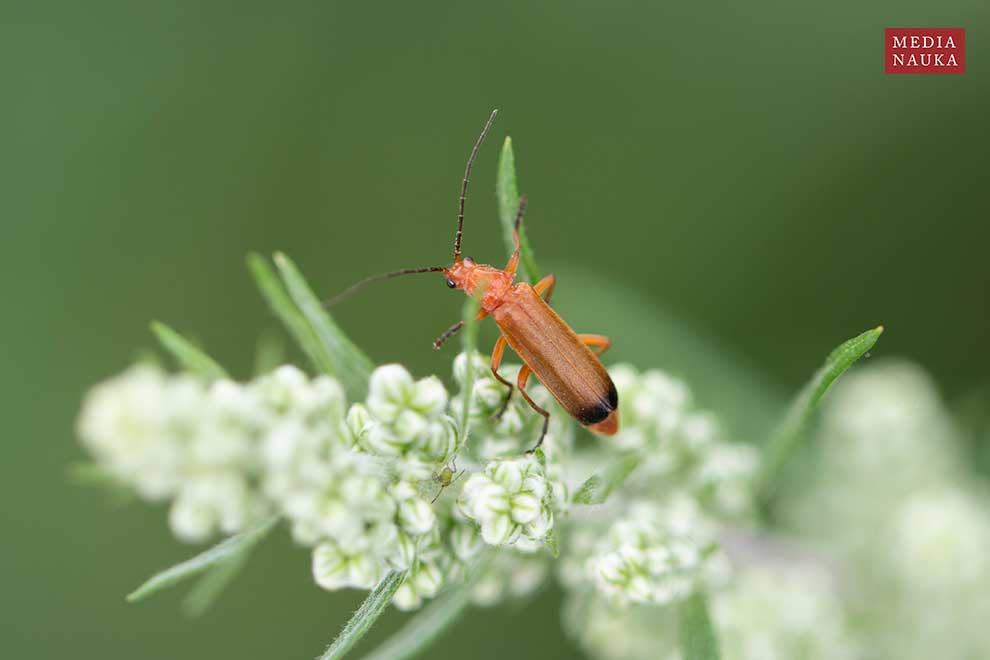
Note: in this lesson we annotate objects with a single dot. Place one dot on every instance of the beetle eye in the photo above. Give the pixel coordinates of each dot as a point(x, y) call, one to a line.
point(468, 260)
point(451, 283)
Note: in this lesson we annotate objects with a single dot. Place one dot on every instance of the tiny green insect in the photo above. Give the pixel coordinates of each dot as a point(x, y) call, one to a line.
point(446, 476)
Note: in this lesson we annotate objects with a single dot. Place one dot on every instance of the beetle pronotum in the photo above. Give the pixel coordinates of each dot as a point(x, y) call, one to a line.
point(565, 362)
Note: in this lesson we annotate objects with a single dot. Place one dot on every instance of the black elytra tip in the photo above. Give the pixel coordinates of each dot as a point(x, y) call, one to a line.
point(600, 411)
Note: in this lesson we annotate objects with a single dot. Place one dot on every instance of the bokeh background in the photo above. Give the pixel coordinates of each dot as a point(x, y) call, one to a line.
point(744, 174)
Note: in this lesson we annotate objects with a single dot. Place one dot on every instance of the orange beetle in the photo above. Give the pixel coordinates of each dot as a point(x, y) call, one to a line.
point(559, 357)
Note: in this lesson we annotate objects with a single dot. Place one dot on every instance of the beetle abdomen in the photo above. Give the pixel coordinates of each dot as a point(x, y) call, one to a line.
point(601, 410)
point(558, 358)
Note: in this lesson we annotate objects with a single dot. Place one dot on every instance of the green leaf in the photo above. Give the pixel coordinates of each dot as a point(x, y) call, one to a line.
point(791, 431)
point(282, 306)
point(189, 357)
point(94, 474)
point(350, 365)
point(597, 488)
point(365, 617)
point(209, 587)
point(221, 552)
point(698, 641)
point(507, 195)
point(326, 346)
point(430, 622)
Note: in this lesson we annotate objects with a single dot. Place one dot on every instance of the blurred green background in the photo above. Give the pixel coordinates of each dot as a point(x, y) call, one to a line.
point(747, 167)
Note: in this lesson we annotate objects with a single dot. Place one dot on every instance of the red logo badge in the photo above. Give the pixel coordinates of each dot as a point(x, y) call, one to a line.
point(925, 50)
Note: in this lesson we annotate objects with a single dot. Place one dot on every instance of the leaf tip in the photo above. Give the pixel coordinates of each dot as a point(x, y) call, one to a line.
point(255, 262)
point(872, 336)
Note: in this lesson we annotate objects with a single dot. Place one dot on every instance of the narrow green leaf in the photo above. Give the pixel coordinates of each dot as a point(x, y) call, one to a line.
point(219, 553)
point(285, 309)
point(348, 363)
point(326, 346)
point(507, 194)
point(209, 587)
point(790, 433)
point(597, 488)
point(698, 641)
point(94, 474)
point(365, 617)
point(430, 622)
point(189, 357)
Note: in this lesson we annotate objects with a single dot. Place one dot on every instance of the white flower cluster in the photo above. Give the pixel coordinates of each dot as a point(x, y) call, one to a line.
point(891, 500)
point(939, 541)
point(511, 501)
point(682, 445)
point(174, 438)
point(406, 429)
point(780, 612)
point(405, 421)
point(391, 483)
point(939, 566)
point(656, 541)
point(608, 632)
point(383, 484)
point(768, 612)
point(354, 483)
point(653, 555)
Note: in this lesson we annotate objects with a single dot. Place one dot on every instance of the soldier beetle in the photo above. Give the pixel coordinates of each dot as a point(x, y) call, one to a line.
point(565, 362)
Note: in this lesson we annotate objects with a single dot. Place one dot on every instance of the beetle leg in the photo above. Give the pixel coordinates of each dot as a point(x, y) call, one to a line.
point(496, 363)
point(545, 287)
point(598, 343)
point(454, 329)
point(524, 374)
point(514, 259)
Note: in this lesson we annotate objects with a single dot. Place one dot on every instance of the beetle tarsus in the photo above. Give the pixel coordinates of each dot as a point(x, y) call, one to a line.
point(543, 434)
point(497, 417)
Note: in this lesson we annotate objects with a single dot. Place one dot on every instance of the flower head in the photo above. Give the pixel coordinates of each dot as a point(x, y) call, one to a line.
point(510, 500)
point(653, 555)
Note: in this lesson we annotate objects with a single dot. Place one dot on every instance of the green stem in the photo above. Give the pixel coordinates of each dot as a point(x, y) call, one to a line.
point(698, 640)
point(365, 617)
point(430, 622)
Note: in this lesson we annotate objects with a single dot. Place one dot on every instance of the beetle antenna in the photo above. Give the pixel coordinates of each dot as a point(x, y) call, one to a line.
point(514, 258)
point(519, 212)
point(447, 334)
point(464, 186)
point(354, 288)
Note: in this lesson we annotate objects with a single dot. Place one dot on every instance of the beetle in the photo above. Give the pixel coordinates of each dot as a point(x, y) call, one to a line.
point(565, 362)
